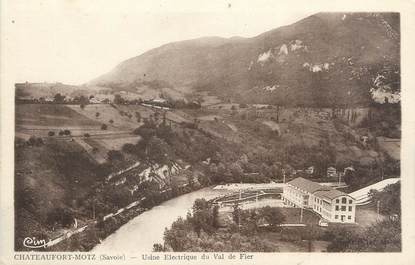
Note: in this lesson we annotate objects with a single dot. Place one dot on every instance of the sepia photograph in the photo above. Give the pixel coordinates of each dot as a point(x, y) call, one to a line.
point(139, 131)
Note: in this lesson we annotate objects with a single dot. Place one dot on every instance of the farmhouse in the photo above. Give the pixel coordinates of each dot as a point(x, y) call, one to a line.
point(331, 172)
point(331, 204)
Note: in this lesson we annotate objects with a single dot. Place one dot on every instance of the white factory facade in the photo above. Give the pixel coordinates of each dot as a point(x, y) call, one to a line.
point(332, 205)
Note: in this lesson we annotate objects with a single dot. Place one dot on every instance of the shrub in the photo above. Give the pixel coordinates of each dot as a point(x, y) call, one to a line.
point(60, 216)
point(114, 155)
point(243, 105)
point(34, 141)
point(129, 148)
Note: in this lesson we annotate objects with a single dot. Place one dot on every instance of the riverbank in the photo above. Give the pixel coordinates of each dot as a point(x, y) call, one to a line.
point(140, 233)
point(145, 226)
point(98, 230)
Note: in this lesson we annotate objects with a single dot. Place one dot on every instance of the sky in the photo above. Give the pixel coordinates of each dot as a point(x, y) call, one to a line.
point(74, 41)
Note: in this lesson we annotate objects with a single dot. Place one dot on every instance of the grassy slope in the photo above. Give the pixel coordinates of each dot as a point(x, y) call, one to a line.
point(57, 174)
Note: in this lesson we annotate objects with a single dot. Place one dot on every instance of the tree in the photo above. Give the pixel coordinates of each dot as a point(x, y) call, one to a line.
point(104, 127)
point(158, 248)
point(66, 132)
point(114, 155)
point(118, 99)
point(236, 172)
point(58, 98)
point(51, 133)
point(59, 216)
point(129, 148)
point(111, 121)
point(119, 196)
point(97, 114)
point(389, 199)
point(87, 135)
point(158, 151)
point(272, 215)
point(243, 105)
point(138, 116)
point(34, 141)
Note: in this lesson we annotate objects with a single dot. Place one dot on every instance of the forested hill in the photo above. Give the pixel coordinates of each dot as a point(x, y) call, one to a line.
point(322, 60)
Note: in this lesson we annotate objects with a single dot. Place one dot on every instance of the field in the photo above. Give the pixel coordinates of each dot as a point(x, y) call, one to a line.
point(39, 119)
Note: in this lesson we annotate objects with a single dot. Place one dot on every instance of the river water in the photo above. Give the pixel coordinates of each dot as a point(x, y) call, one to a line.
point(140, 233)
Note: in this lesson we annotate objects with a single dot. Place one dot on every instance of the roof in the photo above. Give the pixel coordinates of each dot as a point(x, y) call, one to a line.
point(330, 194)
point(316, 189)
point(307, 185)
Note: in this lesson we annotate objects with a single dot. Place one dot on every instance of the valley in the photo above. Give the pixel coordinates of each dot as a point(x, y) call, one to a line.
point(314, 104)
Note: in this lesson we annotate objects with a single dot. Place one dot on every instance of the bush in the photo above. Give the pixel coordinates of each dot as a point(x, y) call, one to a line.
point(60, 216)
point(114, 155)
point(104, 127)
point(129, 148)
point(34, 141)
point(243, 105)
point(51, 133)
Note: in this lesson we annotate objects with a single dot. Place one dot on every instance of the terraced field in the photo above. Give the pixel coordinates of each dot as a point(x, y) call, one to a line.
point(40, 119)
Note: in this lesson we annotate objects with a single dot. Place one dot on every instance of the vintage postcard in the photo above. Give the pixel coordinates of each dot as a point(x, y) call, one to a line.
point(171, 132)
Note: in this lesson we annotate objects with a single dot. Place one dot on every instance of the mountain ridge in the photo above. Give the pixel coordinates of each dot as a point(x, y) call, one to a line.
point(347, 51)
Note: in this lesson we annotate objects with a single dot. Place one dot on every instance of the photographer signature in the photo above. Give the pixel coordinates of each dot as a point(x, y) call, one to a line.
point(32, 242)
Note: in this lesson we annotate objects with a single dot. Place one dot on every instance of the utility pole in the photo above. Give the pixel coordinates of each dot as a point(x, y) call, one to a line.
point(378, 209)
point(340, 176)
point(283, 176)
point(301, 215)
point(93, 210)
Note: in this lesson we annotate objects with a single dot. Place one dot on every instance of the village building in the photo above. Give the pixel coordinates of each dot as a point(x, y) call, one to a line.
point(331, 172)
point(331, 204)
point(310, 170)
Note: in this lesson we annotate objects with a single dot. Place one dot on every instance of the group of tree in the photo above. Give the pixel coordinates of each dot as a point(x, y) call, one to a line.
point(59, 217)
point(64, 132)
point(383, 236)
point(199, 231)
point(249, 221)
point(389, 199)
point(34, 141)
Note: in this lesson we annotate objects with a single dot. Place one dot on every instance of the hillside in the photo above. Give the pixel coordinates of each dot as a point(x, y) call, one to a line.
point(324, 59)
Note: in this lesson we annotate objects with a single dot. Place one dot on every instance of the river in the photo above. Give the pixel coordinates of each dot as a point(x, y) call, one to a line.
point(140, 233)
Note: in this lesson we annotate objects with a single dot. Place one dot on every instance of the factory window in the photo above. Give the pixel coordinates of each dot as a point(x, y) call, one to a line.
point(337, 207)
point(350, 208)
point(344, 200)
